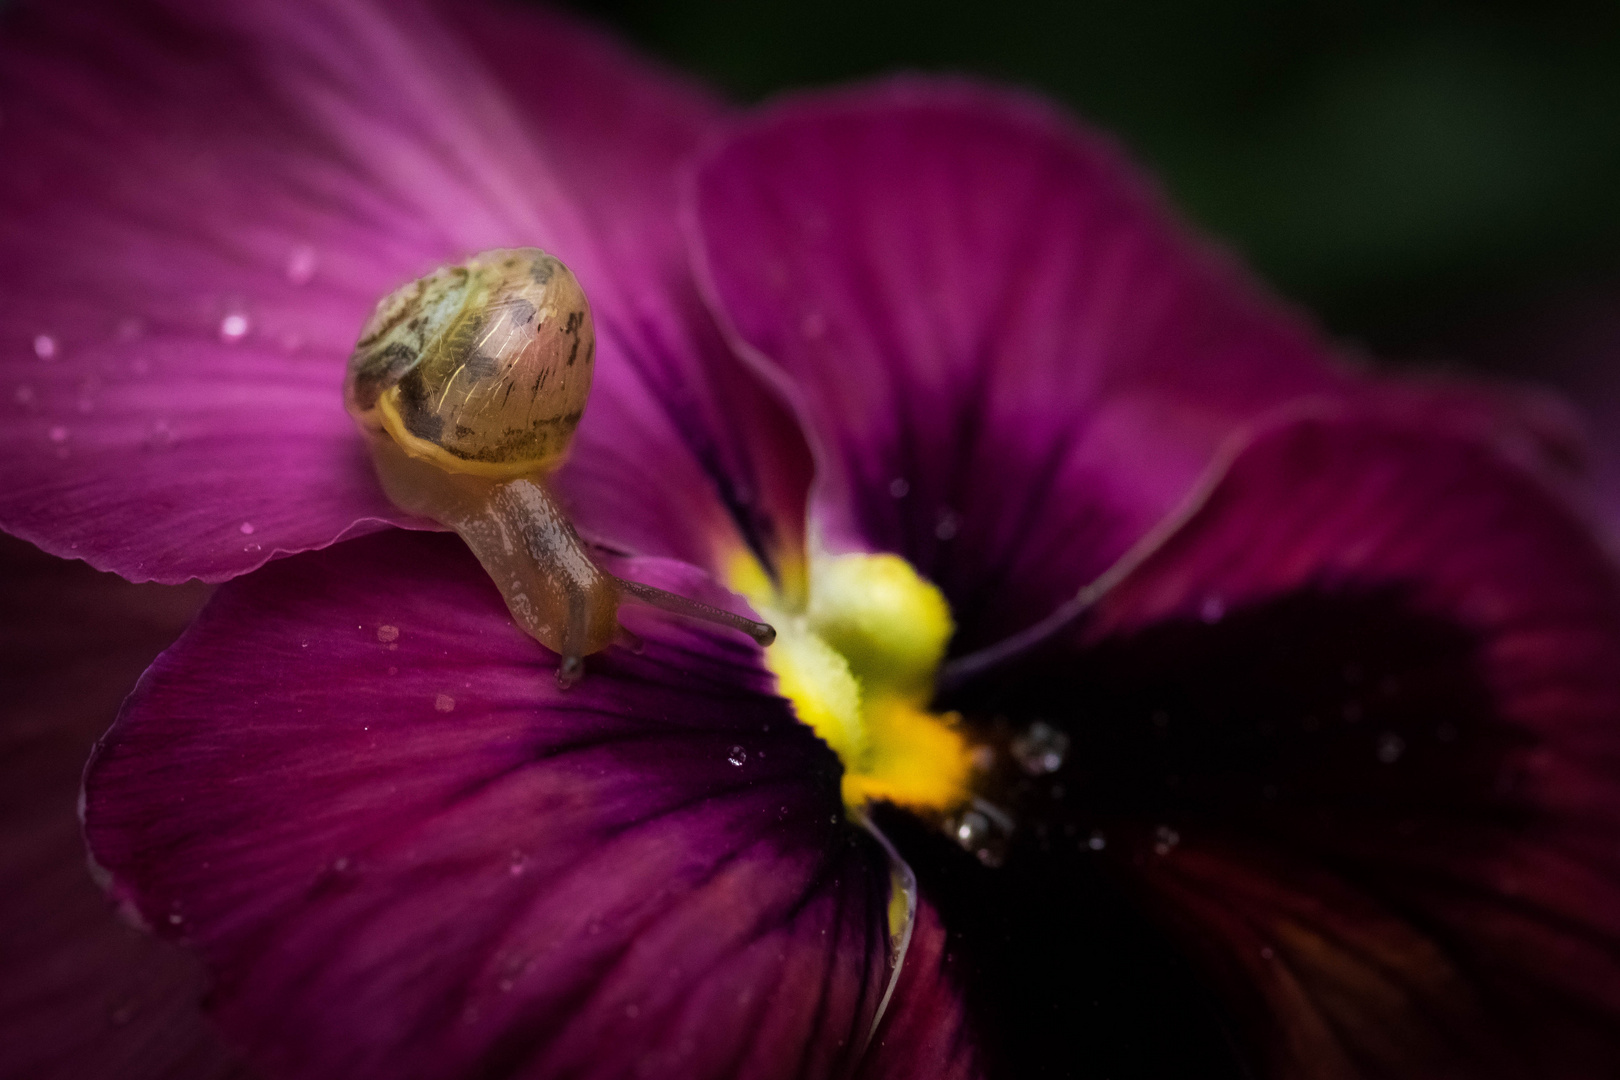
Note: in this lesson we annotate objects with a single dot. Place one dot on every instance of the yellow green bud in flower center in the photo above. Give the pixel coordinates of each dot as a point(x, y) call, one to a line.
point(857, 658)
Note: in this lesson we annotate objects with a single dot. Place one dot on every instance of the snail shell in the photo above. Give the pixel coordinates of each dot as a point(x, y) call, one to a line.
point(481, 368)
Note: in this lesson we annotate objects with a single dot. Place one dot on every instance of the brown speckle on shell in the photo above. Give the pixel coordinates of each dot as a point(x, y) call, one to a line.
point(484, 366)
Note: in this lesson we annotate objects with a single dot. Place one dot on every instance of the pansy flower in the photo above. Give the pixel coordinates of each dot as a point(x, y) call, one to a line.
point(1154, 696)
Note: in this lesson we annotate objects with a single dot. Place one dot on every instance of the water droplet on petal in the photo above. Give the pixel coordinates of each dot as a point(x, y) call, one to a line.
point(518, 863)
point(1390, 747)
point(341, 863)
point(1266, 952)
point(899, 488)
point(1165, 840)
point(45, 347)
point(233, 328)
point(444, 703)
point(948, 525)
point(301, 264)
point(250, 548)
point(246, 528)
point(972, 828)
point(983, 830)
point(737, 755)
point(1212, 610)
point(1041, 749)
point(58, 433)
point(1097, 841)
point(386, 634)
point(24, 395)
point(130, 329)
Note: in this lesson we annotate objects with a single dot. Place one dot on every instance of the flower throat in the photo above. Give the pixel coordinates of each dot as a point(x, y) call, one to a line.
point(857, 657)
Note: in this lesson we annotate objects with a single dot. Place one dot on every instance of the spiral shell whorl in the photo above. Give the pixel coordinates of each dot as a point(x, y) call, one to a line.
point(481, 368)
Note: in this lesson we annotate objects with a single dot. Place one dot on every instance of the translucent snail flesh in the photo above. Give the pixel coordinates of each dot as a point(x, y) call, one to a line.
point(469, 384)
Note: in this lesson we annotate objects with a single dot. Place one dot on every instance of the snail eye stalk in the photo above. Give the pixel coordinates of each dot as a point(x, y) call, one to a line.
point(469, 385)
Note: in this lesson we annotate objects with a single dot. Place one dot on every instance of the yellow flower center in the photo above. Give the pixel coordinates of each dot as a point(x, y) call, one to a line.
point(857, 658)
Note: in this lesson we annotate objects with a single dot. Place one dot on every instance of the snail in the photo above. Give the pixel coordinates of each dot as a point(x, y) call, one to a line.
point(469, 384)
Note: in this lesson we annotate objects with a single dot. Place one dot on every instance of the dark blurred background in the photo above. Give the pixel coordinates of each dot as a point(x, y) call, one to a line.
point(1437, 181)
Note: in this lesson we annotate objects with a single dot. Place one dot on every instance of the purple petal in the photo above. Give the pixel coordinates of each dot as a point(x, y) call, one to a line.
point(83, 996)
point(210, 199)
point(356, 790)
point(679, 420)
point(1356, 729)
point(1570, 340)
point(925, 1031)
point(1012, 360)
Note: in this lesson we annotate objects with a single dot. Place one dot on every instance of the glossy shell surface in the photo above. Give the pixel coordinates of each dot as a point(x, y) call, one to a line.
point(483, 367)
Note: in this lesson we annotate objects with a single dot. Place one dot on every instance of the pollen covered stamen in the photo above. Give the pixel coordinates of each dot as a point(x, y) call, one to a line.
point(858, 659)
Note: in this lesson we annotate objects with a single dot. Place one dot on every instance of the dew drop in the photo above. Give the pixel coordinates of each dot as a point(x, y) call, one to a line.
point(175, 918)
point(972, 830)
point(518, 863)
point(246, 528)
point(301, 264)
point(1390, 747)
point(45, 347)
point(58, 434)
point(899, 488)
point(130, 330)
point(24, 395)
point(1212, 610)
point(737, 755)
point(1165, 840)
point(341, 863)
point(1266, 952)
point(1041, 749)
point(948, 525)
point(444, 703)
point(386, 634)
point(252, 547)
point(984, 831)
point(1097, 841)
point(233, 328)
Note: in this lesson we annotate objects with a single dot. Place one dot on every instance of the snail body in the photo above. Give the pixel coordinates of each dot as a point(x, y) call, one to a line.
point(469, 385)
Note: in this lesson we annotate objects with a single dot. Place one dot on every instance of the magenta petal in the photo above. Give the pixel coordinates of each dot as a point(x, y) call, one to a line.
point(682, 447)
point(1372, 753)
point(1012, 360)
point(83, 995)
point(925, 1033)
point(356, 790)
point(206, 201)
